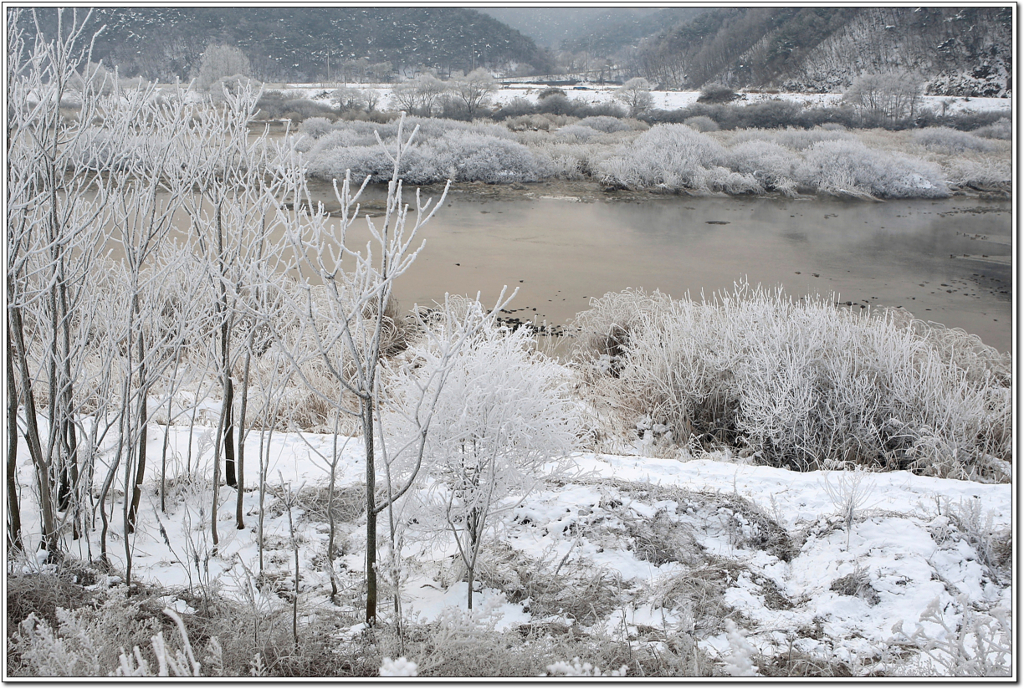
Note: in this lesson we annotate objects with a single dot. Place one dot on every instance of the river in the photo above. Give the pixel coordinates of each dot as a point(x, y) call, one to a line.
point(946, 261)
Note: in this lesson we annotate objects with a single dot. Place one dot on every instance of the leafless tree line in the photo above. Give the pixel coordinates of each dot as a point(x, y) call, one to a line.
point(167, 265)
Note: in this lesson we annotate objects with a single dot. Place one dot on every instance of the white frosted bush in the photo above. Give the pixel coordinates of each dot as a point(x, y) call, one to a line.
point(946, 140)
point(441, 150)
point(501, 423)
point(668, 155)
point(606, 124)
point(480, 157)
point(315, 127)
point(770, 163)
point(1000, 129)
point(576, 132)
point(987, 171)
point(701, 123)
point(795, 139)
point(851, 168)
point(796, 383)
point(570, 161)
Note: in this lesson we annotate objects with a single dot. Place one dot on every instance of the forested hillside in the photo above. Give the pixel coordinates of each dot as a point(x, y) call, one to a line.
point(959, 51)
point(295, 44)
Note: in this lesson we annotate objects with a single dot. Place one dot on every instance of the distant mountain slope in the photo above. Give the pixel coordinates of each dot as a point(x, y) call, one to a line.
point(294, 43)
point(959, 51)
point(557, 27)
point(613, 33)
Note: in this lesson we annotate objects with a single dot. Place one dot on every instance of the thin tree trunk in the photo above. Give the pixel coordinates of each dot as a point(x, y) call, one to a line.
point(35, 450)
point(143, 421)
point(371, 514)
point(13, 509)
point(240, 477)
point(229, 435)
point(69, 436)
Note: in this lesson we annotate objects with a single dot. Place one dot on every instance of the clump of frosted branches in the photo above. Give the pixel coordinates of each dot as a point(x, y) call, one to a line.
point(797, 383)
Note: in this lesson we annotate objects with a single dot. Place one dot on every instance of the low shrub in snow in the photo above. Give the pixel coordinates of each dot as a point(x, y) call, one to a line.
point(1000, 129)
point(770, 163)
point(502, 421)
point(606, 124)
point(315, 127)
point(667, 155)
point(441, 150)
point(796, 383)
point(795, 139)
point(701, 123)
point(946, 140)
point(849, 168)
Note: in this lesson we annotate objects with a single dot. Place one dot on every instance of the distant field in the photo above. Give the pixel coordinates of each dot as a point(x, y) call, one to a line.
point(667, 100)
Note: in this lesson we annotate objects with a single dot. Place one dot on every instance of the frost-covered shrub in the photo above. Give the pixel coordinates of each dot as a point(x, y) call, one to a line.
point(716, 93)
point(501, 422)
point(769, 162)
point(442, 149)
point(796, 139)
point(849, 168)
point(515, 108)
point(1000, 129)
point(668, 155)
point(946, 140)
point(315, 127)
point(576, 132)
point(572, 161)
point(603, 123)
point(489, 159)
point(796, 383)
point(701, 123)
point(987, 172)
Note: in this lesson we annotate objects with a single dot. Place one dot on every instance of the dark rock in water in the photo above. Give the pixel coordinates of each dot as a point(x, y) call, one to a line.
point(717, 222)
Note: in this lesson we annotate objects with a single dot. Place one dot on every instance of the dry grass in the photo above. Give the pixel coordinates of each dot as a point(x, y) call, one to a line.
point(856, 583)
point(574, 588)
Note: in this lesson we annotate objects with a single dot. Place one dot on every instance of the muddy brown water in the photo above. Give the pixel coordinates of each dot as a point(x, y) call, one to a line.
point(945, 261)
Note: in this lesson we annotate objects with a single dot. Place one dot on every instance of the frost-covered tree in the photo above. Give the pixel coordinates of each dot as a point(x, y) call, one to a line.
point(348, 98)
point(346, 313)
point(418, 97)
point(219, 61)
point(889, 98)
point(502, 423)
point(473, 90)
point(636, 94)
point(56, 211)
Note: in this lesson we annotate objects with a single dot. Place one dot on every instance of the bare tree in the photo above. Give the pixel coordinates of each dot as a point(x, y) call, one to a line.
point(473, 90)
point(636, 94)
point(890, 98)
point(233, 209)
point(349, 322)
point(55, 203)
point(220, 61)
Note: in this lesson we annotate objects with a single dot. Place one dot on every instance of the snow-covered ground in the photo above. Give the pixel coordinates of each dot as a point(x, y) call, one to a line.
point(666, 100)
point(841, 565)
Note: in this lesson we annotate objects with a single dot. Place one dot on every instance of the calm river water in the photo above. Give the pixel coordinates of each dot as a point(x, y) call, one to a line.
point(921, 256)
point(948, 261)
